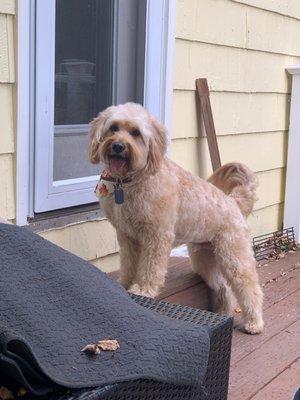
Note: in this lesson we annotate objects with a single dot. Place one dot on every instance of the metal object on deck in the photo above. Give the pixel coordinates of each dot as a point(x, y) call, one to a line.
point(272, 245)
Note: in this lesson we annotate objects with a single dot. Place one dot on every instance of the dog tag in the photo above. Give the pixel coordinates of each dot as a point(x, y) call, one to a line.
point(119, 194)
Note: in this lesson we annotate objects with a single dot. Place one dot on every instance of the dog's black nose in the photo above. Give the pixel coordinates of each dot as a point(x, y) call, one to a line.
point(118, 147)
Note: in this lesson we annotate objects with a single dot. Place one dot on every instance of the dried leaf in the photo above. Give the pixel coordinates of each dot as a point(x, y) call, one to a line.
point(108, 344)
point(238, 310)
point(105, 345)
point(5, 394)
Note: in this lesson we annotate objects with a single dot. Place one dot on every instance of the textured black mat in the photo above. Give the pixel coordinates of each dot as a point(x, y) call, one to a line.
point(53, 303)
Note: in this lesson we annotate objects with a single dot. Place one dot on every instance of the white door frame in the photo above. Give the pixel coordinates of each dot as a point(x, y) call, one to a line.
point(160, 39)
point(25, 111)
point(292, 190)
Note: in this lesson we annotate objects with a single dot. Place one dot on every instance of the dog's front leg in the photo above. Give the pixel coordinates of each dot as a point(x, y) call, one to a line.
point(153, 263)
point(129, 255)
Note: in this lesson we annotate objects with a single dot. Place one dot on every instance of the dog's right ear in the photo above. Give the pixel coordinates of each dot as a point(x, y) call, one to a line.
point(95, 138)
point(157, 146)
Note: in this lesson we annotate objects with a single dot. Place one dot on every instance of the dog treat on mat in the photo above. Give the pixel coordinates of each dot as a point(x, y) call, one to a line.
point(105, 345)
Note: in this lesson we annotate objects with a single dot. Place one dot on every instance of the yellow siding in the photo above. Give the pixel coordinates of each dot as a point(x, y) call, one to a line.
point(108, 263)
point(290, 8)
point(7, 70)
point(229, 68)
point(272, 32)
point(203, 20)
point(7, 6)
point(7, 78)
point(260, 151)
point(271, 186)
point(6, 120)
point(266, 220)
point(233, 113)
point(89, 240)
point(241, 26)
point(7, 202)
point(242, 48)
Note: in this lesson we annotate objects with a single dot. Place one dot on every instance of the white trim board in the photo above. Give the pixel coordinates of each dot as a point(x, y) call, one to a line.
point(160, 44)
point(25, 111)
point(292, 190)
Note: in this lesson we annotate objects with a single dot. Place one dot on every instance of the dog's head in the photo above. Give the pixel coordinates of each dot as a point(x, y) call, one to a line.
point(127, 139)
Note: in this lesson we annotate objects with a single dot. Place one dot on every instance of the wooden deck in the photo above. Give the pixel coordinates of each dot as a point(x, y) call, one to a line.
point(265, 366)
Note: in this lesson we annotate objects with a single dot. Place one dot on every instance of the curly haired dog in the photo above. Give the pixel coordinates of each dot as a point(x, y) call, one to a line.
point(165, 206)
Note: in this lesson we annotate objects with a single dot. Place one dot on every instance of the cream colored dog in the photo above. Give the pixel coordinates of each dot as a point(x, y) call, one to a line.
point(165, 206)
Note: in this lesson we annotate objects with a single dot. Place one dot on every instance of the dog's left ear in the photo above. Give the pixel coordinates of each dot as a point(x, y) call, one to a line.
point(157, 146)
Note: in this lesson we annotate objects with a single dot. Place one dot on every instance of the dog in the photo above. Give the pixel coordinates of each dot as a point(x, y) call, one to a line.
point(156, 205)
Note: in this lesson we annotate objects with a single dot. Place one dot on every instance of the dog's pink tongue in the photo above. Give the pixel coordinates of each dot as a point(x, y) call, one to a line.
point(116, 164)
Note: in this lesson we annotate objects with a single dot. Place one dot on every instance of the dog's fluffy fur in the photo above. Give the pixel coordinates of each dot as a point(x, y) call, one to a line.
point(166, 206)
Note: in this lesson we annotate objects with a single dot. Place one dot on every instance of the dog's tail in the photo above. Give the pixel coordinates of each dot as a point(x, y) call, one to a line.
point(239, 182)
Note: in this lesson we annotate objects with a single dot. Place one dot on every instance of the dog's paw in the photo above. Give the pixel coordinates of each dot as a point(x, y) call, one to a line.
point(254, 326)
point(146, 292)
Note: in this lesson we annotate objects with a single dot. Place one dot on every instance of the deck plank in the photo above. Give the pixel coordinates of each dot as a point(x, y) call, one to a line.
point(251, 374)
point(283, 387)
point(197, 296)
point(277, 318)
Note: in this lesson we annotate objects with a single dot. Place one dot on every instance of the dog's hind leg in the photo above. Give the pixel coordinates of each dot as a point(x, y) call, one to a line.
point(205, 264)
point(234, 254)
point(129, 254)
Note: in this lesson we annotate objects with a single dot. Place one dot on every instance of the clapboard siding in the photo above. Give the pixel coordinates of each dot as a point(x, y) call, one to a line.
point(7, 6)
point(271, 32)
point(260, 151)
point(203, 20)
point(7, 69)
point(230, 68)
point(89, 240)
point(7, 79)
point(290, 8)
point(237, 25)
point(7, 199)
point(233, 113)
point(107, 263)
point(266, 220)
point(271, 186)
point(6, 120)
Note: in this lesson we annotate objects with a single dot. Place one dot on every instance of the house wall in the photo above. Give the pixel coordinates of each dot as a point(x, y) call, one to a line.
point(242, 47)
point(7, 80)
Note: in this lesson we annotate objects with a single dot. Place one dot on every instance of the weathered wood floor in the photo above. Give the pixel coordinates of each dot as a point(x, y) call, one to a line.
point(266, 366)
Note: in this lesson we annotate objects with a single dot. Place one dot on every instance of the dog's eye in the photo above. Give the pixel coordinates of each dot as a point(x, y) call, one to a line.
point(135, 132)
point(114, 128)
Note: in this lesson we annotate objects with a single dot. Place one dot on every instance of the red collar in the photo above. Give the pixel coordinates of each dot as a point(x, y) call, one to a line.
point(105, 176)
